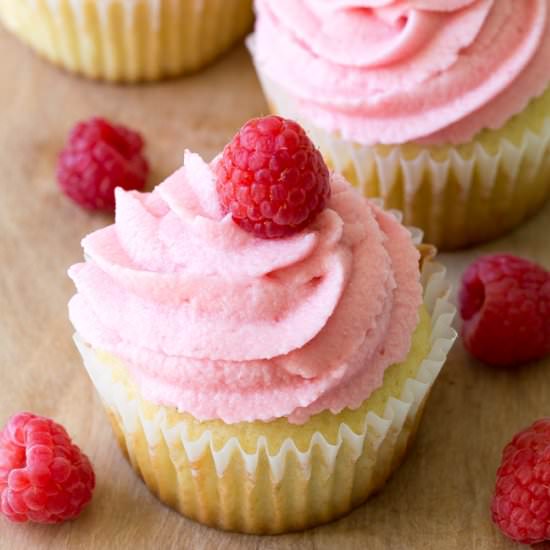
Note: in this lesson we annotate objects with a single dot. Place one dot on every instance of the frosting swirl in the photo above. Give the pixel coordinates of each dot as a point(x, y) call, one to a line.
point(221, 324)
point(393, 71)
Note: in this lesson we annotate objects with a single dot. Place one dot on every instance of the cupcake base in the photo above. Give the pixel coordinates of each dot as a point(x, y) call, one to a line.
point(276, 477)
point(268, 510)
point(458, 195)
point(128, 40)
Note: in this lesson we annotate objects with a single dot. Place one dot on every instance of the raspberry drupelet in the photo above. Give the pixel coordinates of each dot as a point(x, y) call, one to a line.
point(44, 477)
point(272, 179)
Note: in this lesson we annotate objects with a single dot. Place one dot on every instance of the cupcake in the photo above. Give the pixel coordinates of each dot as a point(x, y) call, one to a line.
point(263, 337)
point(442, 109)
point(128, 40)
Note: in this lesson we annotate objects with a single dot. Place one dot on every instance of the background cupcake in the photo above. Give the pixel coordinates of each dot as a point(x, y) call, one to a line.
point(128, 40)
point(440, 108)
point(260, 384)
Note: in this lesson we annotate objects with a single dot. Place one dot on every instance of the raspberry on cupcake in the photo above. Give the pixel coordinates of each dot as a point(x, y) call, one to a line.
point(272, 178)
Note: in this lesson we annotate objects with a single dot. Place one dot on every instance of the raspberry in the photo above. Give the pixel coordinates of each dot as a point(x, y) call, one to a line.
point(97, 158)
point(521, 505)
point(272, 178)
point(43, 477)
point(505, 305)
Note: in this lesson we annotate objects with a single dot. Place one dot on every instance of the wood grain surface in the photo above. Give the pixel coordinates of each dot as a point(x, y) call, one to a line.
point(438, 499)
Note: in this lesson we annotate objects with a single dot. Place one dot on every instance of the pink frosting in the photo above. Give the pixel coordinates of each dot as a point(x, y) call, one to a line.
point(394, 71)
point(224, 325)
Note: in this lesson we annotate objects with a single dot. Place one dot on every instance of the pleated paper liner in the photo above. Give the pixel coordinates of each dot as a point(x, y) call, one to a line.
point(220, 477)
point(128, 40)
point(459, 195)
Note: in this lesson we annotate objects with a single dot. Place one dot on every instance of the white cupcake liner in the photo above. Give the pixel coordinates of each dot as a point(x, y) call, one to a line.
point(457, 195)
point(317, 485)
point(128, 40)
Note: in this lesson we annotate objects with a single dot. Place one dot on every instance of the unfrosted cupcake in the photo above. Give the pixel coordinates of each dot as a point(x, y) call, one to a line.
point(442, 108)
point(128, 40)
point(263, 343)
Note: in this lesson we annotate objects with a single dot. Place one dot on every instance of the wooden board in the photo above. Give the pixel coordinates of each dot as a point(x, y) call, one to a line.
point(439, 498)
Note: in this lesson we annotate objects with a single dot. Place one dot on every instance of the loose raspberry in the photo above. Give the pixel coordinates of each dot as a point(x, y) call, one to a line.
point(521, 505)
point(272, 178)
point(43, 477)
point(97, 158)
point(505, 305)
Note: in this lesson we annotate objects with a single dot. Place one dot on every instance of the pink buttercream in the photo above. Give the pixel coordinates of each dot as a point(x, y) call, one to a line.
point(221, 324)
point(394, 71)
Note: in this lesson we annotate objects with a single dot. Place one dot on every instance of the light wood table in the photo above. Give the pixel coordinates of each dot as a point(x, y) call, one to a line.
point(439, 499)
